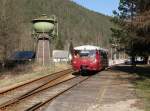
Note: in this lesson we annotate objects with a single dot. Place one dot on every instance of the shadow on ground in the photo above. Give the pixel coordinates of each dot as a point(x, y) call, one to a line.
point(89, 73)
point(140, 77)
point(142, 71)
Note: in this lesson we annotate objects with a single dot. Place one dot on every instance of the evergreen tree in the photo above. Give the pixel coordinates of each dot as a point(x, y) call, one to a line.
point(128, 33)
point(59, 44)
point(71, 47)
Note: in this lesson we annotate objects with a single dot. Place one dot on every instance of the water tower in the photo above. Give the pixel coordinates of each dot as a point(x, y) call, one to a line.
point(44, 29)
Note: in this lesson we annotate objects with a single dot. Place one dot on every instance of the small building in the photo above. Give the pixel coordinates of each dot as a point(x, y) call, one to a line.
point(60, 56)
point(22, 56)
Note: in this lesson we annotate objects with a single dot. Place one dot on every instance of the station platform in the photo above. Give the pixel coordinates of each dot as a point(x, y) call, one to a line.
point(106, 91)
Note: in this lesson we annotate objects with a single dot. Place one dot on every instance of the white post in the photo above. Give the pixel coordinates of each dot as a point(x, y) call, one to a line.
point(43, 52)
point(149, 60)
point(111, 53)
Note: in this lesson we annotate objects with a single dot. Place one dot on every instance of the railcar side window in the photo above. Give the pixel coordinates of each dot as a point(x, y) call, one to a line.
point(76, 53)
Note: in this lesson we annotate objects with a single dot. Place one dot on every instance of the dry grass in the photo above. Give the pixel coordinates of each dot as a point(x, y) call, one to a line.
point(22, 73)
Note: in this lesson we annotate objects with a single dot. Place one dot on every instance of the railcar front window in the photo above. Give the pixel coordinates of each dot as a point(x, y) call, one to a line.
point(87, 53)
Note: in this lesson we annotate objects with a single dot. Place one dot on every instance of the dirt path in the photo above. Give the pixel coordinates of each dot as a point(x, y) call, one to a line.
point(105, 91)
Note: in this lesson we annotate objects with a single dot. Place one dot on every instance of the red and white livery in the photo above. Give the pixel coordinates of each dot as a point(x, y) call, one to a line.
point(89, 58)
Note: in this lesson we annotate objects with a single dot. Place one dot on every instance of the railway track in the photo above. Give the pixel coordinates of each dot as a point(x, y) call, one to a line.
point(4, 91)
point(42, 89)
point(41, 104)
point(13, 94)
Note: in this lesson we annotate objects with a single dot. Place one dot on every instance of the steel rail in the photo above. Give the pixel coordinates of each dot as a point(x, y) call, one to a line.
point(40, 104)
point(34, 91)
point(29, 82)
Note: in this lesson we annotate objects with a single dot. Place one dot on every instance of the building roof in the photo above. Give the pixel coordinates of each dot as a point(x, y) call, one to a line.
point(22, 55)
point(60, 54)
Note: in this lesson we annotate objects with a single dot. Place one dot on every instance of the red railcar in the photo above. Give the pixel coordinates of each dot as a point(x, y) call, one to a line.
point(89, 58)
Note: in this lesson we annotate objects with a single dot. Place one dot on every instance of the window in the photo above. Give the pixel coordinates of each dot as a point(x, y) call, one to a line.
point(86, 53)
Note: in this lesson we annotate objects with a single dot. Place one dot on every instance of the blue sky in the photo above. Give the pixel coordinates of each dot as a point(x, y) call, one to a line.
point(103, 6)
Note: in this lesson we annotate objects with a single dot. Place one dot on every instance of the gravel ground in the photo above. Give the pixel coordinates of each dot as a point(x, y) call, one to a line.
point(118, 106)
point(105, 91)
point(38, 97)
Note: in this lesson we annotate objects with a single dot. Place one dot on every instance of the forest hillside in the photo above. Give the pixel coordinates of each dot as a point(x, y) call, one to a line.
point(76, 23)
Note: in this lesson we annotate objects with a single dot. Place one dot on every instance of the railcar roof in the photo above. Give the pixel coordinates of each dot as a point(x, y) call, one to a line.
point(89, 47)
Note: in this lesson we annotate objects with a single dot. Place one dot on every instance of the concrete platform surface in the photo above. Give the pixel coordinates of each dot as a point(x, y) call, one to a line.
point(105, 91)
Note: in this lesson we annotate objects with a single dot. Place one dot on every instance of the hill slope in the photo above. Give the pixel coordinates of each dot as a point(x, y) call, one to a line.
point(76, 22)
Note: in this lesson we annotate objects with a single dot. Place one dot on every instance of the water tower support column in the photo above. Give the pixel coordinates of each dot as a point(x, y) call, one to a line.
point(43, 50)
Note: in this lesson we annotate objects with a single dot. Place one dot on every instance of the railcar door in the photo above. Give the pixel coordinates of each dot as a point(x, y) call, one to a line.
point(104, 59)
point(101, 60)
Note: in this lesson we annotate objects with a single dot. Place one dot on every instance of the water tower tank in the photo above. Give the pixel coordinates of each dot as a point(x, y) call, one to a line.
point(43, 24)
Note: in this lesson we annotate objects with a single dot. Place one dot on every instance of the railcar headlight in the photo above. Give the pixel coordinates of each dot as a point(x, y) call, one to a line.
point(95, 61)
point(74, 62)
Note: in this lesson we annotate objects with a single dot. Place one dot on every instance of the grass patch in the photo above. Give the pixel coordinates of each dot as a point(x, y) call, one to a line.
point(142, 84)
point(141, 80)
point(35, 71)
point(143, 91)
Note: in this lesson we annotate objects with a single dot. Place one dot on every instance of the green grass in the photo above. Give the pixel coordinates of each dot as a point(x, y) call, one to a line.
point(143, 89)
point(143, 86)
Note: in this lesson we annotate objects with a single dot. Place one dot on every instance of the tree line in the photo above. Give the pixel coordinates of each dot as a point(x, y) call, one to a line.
point(132, 28)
